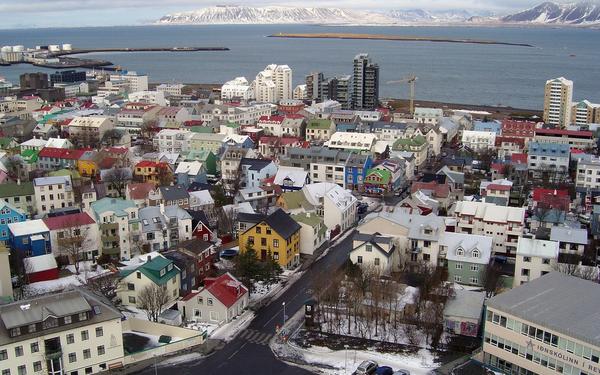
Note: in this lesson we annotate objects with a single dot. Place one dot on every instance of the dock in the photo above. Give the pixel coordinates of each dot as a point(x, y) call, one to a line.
point(79, 51)
point(397, 38)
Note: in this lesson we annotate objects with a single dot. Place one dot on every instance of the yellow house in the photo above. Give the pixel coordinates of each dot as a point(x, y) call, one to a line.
point(154, 172)
point(87, 165)
point(277, 234)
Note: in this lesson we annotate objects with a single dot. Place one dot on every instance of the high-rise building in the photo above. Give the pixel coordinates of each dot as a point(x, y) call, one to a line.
point(338, 89)
point(558, 98)
point(67, 76)
point(585, 112)
point(273, 84)
point(365, 85)
point(34, 81)
point(313, 86)
point(136, 82)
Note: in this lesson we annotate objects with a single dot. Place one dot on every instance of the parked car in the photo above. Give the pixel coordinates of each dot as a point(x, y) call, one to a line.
point(384, 370)
point(402, 372)
point(366, 368)
point(228, 253)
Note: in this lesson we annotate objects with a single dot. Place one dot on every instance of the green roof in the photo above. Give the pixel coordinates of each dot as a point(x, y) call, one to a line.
point(295, 200)
point(232, 124)
point(406, 143)
point(152, 270)
point(30, 156)
point(311, 219)
point(319, 124)
point(201, 129)
point(66, 172)
point(202, 155)
point(6, 141)
point(16, 190)
point(384, 175)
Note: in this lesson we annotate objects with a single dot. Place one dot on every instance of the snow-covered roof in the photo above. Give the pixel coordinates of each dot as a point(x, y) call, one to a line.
point(341, 197)
point(59, 143)
point(491, 212)
point(465, 304)
point(40, 263)
point(296, 175)
point(570, 235)
point(28, 227)
point(537, 248)
point(461, 246)
point(192, 168)
point(201, 197)
point(34, 142)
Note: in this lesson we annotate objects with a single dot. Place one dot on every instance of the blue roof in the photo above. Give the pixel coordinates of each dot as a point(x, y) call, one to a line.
point(490, 126)
point(549, 149)
point(118, 206)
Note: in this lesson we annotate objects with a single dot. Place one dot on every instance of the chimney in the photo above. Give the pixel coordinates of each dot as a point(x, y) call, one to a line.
point(148, 258)
point(162, 208)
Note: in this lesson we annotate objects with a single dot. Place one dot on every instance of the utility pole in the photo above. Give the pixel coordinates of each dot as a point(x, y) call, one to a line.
point(283, 304)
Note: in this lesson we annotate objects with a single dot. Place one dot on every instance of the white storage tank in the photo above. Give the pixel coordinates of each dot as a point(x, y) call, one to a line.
point(18, 48)
point(53, 48)
point(67, 47)
point(6, 49)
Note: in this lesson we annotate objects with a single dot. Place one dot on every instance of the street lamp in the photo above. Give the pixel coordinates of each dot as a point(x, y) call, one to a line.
point(346, 358)
point(283, 304)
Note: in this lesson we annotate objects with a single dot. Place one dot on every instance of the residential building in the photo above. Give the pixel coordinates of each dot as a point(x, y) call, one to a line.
point(51, 158)
point(277, 235)
point(547, 323)
point(189, 275)
point(552, 158)
point(388, 131)
point(201, 200)
point(154, 172)
point(467, 255)
point(74, 237)
point(339, 207)
point(313, 232)
point(478, 140)
point(291, 178)
point(313, 86)
point(428, 115)
point(374, 250)
point(221, 300)
point(319, 130)
point(417, 146)
point(580, 139)
point(230, 167)
point(503, 224)
point(53, 193)
point(358, 142)
point(170, 196)
point(507, 146)
point(188, 173)
point(340, 89)
point(134, 81)
point(570, 240)
point(207, 142)
point(259, 198)
point(119, 227)
point(20, 195)
point(162, 227)
point(518, 129)
point(158, 271)
point(242, 114)
point(31, 238)
point(69, 332)
point(584, 113)
point(238, 88)
point(365, 83)
point(463, 312)
point(173, 140)
point(273, 84)
point(588, 173)
point(205, 255)
point(8, 215)
point(253, 171)
point(558, 99)
point(535, 258)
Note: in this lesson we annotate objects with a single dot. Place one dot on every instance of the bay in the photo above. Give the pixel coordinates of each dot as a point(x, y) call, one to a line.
point(447, 72)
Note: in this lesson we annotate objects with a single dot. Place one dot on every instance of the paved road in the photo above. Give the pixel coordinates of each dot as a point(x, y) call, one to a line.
point(249, 352)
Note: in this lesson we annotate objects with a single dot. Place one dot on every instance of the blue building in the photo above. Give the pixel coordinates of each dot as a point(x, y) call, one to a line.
point(8, 215)
point(356, 170)
point(489, 126)
point(31, 237)
point(188, 173)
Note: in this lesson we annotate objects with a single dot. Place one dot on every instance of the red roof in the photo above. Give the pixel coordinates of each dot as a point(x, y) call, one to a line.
point(498, 187)
point(498, 166)
point(539, 193)
point(516, 128)
point(271, 119)
point(558, 132)
point(139, 190)
point(226, 288)
point(107, 163)
point(68, 221)
point(193, 123)
point(439, 190)
point(519, 158)
point(61, 153)
point(117, 150)
point(294, 116)
point(517, 140)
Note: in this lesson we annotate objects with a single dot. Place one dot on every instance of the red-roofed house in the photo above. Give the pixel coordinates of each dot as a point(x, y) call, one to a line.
point(272, 125)
point(433, 190)
point(51, 158)
point(272, 147)
point(152, 171)
point(138, 192)
point(520, 129)
point(290, 106)
point(221, 299)
point(507, 146)
point(74, 231)
point(41, 268)
point(551, 198)
point(574, 138)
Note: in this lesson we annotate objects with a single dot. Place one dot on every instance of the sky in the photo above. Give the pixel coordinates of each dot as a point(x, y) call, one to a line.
point(76, 13)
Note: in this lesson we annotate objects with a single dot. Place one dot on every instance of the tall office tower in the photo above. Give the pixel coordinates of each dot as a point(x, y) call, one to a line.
point(313, 86)
point(338, 89)
point(558, 97)
point(365, 85)
point(34, 81)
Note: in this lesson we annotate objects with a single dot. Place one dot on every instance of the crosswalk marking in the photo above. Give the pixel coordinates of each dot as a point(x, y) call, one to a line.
point(256, 337)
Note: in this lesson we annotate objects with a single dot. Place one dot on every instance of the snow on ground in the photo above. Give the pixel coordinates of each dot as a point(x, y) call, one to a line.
point(228, 331)
point(420, 364)
point(261, 290)
point(180, 359)
point(200, 326)
point(86, 271)
point(134, 312)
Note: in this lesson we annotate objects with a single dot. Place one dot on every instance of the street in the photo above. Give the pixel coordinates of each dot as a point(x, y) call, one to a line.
point(249, 352)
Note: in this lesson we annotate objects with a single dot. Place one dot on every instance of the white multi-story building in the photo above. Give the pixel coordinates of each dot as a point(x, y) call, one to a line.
point(273, 84)
point(548, 157)
point(135, 81)
point(558, 99)
point(172, 140)
point(478, 140)
point(152, 97)
point(89, 130)
point(164, 226)
point(53, 193)
point(504, 224)
point(339, 207)
point(238, 88)
point(534, 259)
point(71, 332)
point(428, 115)
point(119, 226)
point(588, 173)
point(299, 92)
point(242, 115)
point(351, 141)
point(171, 88)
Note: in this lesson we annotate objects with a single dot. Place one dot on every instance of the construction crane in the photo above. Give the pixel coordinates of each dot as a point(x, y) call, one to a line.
point(410, 79)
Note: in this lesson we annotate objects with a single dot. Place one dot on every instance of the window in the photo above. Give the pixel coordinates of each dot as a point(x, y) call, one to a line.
point(6, 372)
point(200, 301)
point(197, 313)
point(50, 323)
point(22, 370)
point(475, 253)
point(457, 278)
point(89, 370)
point(138, 274)
point(72, 357)
point(37, 366)
point(70, 338)
point(474, 267)
point(359, 260)
point(527, 259)
point(87, 354)
point(460, 252)
point(19, 351)
point(101, 350)
point(459, 266)
point(525, 272)
point(258, 229)
point(376, 261)
point(99, 332)
point(67, 319)
point(35, 347)
point(474, 280)
point(209, 301)
point(82, 316)
point(546, 261)
point(131, 299)
point(275, 243)
point(85, 335)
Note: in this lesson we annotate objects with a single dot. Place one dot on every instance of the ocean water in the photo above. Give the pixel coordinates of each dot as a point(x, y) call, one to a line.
point(448, 72)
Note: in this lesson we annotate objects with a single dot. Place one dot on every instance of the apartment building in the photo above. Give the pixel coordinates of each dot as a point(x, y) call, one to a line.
point(467, 256)
point(558, 98)
point(580, 139)
point(588, 173)
point(320, 130)
point(135, 81)
point(478, 140)
point(548, 157)
point(88, 131)
point(504, 224)
point(156, 270)
point(119, 227)
point(53, 193)
point(237, 88)
point(273, 84)
point(162, 227)
point(71, 332)
point(535, 258)
point(584, 113)
point(365, 83)
point(20, 195)
point(428, 115)
point(172, 140)
point(545, 326)
point(243, 115)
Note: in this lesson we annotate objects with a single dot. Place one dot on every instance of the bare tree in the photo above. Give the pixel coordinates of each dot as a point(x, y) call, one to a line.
point(117, 179)
point(153, 299)
point(164, 175)
point(491, 278)
point(575, 268)
point(72, 241)
point(105, 285)
point(15, 166)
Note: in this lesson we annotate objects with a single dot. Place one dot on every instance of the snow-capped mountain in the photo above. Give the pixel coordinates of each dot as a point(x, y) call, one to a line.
point(275, 15)
point(582, 13)
point(438, 16)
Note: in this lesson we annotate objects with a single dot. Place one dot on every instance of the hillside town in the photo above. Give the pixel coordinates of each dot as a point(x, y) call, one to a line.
point(148, 225)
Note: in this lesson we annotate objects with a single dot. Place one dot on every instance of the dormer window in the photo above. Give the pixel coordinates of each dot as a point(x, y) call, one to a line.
point(170, 267)
point(475, 253)
point(163, 272)
point(460, 252)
